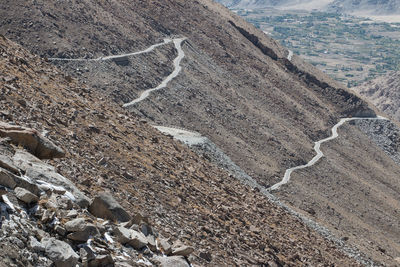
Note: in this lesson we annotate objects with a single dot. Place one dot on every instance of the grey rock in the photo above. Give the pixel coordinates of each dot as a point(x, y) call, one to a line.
point(122, 234)
point(75, 225)
point(38, 171)
point(59, 202)
point(81, 230)
point(151, 243)
point(32, 140)
point(7, 179)
point(7, 163)
point(131, 237)
point(72, 214)
point(180, 249)
point(25, 196)
point(35, 245)
point(146, 229)
point(60, 252)
point(11, 180)
point(138, 240)
point(175, 261)
point(15, 240)
point(48, 216)
point(102, 261)
point(124, 264)
point(86, 255)
point(106, 207)
point(28, 184)
point(164, 245)
point(60, 230)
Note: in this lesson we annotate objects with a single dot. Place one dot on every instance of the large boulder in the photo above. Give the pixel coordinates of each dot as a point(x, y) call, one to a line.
point(102, 261)
point(130, 237)
point(31, 140)
point(164, 245)
point(6, 154)
point(12, 181)
point(60, 252)
point(106, 207)
point(25, 196)
point(7, 179)
point(175, 261)
point(81, 230)
point(43, 173)
point(180, 249)
point(6, 163)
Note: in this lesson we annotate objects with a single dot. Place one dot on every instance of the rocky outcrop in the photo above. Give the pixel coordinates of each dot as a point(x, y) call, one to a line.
point(11, 180)
point(25, 196)
point(175, 261)
point(60, 252)
point(46, 176)
point(32, 140)
point(53, 228)
point(256, 41)
point(81, 230)
point(131, 237)
point(384, 93)
point(106, 207)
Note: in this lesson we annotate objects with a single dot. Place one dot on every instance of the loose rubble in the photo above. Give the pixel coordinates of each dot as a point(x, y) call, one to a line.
point(43, 216)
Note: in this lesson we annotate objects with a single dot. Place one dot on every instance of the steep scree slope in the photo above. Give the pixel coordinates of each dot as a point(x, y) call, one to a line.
point(184, 195)
point(237, 87)
point(384, 92)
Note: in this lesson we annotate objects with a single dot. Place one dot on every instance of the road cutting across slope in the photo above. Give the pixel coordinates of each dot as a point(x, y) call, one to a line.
point(147, 50)
point(164, 83)
point(184, 134)
point(317, 146)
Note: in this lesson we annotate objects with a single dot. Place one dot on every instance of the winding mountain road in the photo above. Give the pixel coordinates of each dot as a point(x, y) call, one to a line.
point(164, 83)
point(317, 146)
point(147, 50)
point(187, 136)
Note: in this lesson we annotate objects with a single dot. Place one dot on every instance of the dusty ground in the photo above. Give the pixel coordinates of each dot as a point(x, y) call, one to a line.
point(182, 193)
point(384, 92)
point(237, 88)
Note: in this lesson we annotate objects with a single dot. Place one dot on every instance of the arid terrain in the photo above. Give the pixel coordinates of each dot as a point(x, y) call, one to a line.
point(384, 92)
point(148, 173)
point(239, 88)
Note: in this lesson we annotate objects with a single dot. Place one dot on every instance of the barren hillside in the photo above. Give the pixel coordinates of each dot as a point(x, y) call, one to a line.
point(236, 86)
point(384, 92)
point(183, 195)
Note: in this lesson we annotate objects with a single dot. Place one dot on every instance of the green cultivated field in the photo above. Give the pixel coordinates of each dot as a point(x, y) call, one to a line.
point(350, 49)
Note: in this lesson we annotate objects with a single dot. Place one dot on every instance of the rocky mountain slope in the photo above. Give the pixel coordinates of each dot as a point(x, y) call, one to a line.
point(169, 191)
point(384, 92)
point(261, 106)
